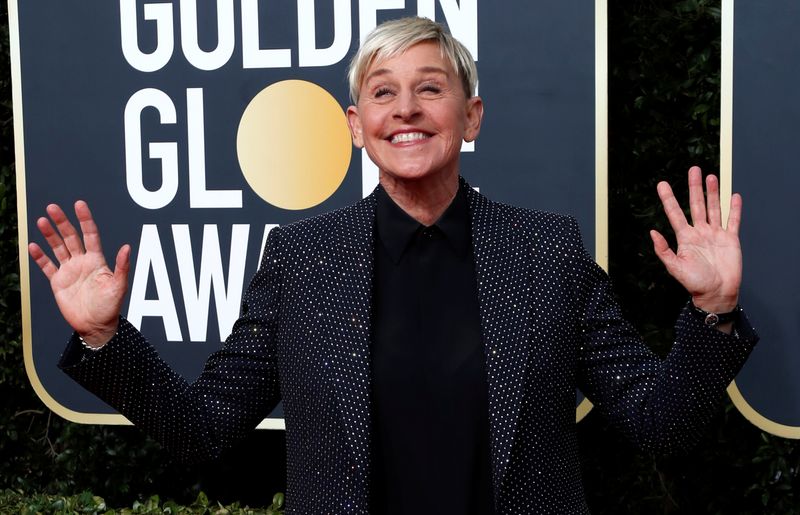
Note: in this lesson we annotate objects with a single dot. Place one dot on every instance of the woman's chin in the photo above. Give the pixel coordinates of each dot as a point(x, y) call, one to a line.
point(416, 175)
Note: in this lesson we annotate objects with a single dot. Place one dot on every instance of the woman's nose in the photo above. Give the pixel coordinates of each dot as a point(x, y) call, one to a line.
point(407, 106)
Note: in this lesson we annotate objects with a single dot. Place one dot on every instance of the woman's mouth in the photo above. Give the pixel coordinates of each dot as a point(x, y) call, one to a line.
point(407, 137)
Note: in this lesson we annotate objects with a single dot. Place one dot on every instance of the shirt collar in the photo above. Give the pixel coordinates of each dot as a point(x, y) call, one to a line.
point(396, 228)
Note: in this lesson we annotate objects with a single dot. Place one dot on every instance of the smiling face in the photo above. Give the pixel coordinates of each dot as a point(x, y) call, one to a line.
point(413, 114)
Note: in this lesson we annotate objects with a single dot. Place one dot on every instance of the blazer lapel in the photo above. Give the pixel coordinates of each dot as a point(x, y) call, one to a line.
point(502, 262)
point(348, 284)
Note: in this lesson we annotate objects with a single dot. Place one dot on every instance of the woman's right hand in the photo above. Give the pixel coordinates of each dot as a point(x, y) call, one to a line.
point(88, 293)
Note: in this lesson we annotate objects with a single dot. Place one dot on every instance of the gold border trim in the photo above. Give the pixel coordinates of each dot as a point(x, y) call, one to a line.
point(600, 150)
point(22, 223)
point(759, 420)
point(601, 132)
point(726, 110)
point(726, 188)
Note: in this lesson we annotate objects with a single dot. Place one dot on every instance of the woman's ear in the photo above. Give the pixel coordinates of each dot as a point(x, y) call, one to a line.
point(474, 115)
point(354, 122)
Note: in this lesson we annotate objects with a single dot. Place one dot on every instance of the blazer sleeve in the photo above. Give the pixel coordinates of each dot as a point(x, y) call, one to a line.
point(662, 406)
point(237, 388)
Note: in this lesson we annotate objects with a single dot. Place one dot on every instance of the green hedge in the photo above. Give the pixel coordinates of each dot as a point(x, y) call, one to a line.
point(664, 105)
point(12, 501)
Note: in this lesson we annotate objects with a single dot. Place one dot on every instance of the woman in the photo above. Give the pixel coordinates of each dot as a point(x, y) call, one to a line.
point(426, 342)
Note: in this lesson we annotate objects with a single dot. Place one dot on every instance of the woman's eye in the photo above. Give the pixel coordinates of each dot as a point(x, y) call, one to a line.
point(431, 88)
point(381, 92)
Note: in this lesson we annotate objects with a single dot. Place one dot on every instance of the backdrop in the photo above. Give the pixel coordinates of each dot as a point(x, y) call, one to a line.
point(761, 131)
point(193, 128)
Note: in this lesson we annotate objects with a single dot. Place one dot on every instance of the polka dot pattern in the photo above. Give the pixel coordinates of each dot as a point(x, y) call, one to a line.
point(549, 322)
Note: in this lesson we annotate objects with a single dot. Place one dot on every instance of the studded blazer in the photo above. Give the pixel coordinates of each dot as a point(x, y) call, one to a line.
point(549, 323)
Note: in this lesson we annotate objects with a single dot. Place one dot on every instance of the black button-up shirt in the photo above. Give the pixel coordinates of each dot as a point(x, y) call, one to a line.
point(431, 427)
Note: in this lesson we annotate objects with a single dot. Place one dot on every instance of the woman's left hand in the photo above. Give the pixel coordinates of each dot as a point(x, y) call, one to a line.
point(708, 261)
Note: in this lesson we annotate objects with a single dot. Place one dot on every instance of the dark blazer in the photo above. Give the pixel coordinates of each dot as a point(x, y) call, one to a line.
point(549, 323)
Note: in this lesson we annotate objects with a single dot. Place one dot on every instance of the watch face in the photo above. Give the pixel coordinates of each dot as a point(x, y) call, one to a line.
point(712, 319)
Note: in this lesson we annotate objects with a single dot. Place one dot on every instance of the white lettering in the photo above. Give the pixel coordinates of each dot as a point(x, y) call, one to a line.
point(308, 53)
point(462, 20)
point(226, 41)
point(368, 14)
point(197, 291)
point(369, 174)
point(199, 196)
point(461, 17)
point(166, 152)
point(252, 55)
point(151, 257)
point(165, 39)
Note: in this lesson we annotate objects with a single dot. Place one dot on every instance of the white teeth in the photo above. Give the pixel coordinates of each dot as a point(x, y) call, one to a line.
point(404, 137)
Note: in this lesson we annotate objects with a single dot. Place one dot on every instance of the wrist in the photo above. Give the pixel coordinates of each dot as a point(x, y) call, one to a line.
point(95, 339)
point(716, 305)
point(719, 319)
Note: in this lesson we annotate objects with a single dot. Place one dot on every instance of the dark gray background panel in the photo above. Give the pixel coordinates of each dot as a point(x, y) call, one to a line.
point(766, 153)
point(536, 149)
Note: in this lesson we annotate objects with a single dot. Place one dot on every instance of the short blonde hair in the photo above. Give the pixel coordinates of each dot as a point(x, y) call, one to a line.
point(394, 37)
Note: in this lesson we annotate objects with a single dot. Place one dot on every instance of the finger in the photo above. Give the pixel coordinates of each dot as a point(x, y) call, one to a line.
point(53, 239)
point(68, 233)
point(697, 203)
point(122, 266)
point(662, 250)
point(671, 207)
point(91, 236)
point(712, 201)
point(41, 259)
point(735, 215)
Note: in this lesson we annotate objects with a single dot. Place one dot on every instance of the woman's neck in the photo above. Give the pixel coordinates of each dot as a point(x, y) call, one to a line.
point(424, 200)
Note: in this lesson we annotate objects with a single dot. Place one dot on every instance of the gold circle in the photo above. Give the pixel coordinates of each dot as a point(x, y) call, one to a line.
point(293, 144)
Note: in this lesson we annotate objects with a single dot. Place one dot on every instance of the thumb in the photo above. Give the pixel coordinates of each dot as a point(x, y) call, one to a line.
point(662, 250)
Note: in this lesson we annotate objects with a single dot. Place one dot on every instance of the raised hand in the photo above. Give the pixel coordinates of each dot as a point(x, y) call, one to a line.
point(708, 261)
point(88, 293)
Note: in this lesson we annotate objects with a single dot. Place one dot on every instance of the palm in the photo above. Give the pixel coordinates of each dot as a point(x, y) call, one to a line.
point(708, 260)
point(88, 293)
point(85, 291)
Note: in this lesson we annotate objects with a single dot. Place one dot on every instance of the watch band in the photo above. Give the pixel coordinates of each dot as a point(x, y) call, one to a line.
point(714, 319)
